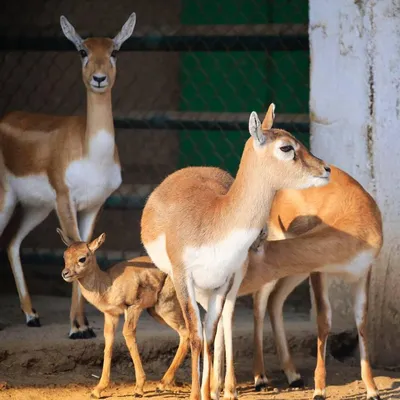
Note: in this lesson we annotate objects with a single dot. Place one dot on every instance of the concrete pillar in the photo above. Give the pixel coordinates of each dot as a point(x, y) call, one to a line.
point(339, 104)
point(355, 125)
point(384, 322)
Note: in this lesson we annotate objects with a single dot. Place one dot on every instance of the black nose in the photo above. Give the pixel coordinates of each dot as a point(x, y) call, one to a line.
point(327, 169)
point(99, 79)
point(64, 274)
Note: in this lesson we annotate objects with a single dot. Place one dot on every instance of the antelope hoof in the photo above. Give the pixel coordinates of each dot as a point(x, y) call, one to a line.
point(318, 397)
point(85, 334)
point(262, 384)
point(88, 333)
point(96, 394)
point(138, 394)
point(162, 387)
point(377, 397)
point(34, 322)
point(298, 383)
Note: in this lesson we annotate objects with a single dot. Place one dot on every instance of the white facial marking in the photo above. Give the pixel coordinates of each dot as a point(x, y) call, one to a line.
point(85, 61)
point(281, 155)
point(211, 265)
point(92, 179)
point(99, 82)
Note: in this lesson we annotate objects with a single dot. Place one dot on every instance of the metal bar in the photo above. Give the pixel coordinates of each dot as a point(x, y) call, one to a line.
point(207, 121)
point(273, 37)
point(55, 256)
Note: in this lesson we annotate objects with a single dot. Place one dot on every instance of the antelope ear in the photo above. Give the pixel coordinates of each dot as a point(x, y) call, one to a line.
point(125, 32)
point(255, 129)
point(96, 243)
point(269, 118)
point(66, 240)
point(70, 33)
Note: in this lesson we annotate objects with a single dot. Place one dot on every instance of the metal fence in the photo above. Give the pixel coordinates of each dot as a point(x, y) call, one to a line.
point(186, 82)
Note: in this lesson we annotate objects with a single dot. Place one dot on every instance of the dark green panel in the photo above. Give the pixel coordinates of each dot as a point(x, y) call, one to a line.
point(239, 81)
point(220, 81)
point(289, 81)
point(218, 149)
point(289, 11)
point(224, 12)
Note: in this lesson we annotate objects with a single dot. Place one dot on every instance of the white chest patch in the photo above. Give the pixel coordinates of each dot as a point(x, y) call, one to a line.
point(32, 190)
point(92, 179)
point(353, 269)
point(212, 265)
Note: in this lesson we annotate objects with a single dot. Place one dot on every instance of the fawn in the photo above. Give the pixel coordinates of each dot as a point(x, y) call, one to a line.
point(128, 288)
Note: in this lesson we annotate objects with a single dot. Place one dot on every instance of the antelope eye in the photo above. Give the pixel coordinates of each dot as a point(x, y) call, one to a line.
point(114, 53)
point(286, 149)
point(82, 260)
point(83, 53)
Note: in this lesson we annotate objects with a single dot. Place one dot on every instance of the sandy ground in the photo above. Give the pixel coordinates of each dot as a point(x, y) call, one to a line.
point(42, 363)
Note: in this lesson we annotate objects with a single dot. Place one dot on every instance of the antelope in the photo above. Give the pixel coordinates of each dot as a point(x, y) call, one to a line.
point(128, 288)
point(199, 223)
point(331, 230)
point(67, 164)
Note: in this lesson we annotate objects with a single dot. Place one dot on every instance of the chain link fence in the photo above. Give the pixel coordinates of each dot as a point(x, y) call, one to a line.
point(186, 83)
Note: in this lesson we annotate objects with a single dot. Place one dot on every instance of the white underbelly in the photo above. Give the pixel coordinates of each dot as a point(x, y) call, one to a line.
point(32, 190)
point(90, 188)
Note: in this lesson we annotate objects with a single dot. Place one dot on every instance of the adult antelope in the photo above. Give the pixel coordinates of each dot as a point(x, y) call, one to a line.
point(199, 223)
point(69, 164)
point(330, 230)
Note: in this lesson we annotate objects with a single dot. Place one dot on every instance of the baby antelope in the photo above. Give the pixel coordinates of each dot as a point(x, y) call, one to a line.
point(128, 287)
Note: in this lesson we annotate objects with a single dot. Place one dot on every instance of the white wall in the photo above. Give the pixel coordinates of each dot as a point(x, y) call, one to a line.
point(355, 125)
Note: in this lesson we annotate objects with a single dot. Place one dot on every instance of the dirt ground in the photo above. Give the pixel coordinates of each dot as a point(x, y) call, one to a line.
point(42, 363)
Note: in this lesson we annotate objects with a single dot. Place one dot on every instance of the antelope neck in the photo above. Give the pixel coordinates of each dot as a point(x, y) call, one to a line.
point(99, 113)
point(250, 197)
point(95, 280)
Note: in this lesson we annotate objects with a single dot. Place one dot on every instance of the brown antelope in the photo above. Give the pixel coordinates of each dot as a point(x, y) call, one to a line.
point(331, 230)
point(126, 288)
point(199, 224)
point(69, 164)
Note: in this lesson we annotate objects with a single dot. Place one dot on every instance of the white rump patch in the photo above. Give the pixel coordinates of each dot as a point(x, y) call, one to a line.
point(157, 251)
point(353, 269)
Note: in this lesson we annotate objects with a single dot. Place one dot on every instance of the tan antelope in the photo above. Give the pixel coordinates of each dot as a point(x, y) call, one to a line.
point(66, 164)
point(331, 230)
point(128, 288)
point(199, 224)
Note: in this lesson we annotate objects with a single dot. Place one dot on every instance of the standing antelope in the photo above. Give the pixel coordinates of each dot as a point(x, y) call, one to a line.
point(69, 164)
point(128, 288)
point(199, 223)
point(331, 230)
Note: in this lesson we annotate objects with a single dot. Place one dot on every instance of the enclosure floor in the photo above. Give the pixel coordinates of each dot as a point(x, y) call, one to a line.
point(42, 363)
